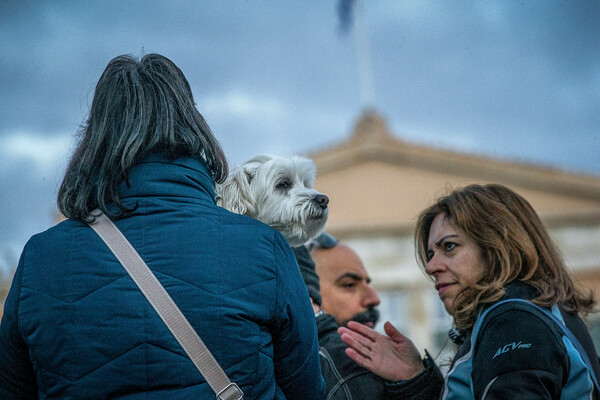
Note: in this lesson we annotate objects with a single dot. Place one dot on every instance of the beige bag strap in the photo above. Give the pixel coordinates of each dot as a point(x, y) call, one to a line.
point(166, 308)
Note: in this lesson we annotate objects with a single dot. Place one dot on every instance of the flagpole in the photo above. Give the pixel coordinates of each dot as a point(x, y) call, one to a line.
point(363, 57)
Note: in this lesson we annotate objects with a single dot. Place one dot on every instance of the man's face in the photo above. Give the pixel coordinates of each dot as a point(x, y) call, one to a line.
point(345, 290)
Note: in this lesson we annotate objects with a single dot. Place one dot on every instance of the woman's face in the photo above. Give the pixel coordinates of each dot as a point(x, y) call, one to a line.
point(454, 260)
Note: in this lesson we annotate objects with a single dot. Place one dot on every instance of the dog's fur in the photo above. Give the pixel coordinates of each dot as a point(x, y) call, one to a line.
point(279, 192)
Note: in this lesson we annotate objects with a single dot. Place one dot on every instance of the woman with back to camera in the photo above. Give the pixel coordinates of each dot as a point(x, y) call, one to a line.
point(76, 326)
point(503, 281)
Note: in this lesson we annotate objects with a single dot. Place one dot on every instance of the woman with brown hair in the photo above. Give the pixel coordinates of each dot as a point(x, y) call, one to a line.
point(516, 311)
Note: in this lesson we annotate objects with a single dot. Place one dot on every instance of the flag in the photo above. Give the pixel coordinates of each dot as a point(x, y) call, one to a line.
point(345, 14)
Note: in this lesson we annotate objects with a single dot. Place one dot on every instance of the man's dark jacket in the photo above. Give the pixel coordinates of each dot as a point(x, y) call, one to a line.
point(345, 379)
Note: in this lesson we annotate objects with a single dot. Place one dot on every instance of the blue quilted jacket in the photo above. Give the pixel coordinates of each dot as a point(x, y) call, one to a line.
point(75, 326)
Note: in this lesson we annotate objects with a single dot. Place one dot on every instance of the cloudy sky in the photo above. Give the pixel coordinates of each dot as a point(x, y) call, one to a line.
point(513, 80)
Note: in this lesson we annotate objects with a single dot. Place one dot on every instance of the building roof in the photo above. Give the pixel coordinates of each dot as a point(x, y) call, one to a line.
point(378, 183)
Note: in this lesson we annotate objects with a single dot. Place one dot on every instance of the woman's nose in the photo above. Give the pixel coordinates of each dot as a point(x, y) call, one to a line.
point(434, 265)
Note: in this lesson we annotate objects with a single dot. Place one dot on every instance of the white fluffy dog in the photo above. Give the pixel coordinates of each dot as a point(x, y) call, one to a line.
point(279, 192)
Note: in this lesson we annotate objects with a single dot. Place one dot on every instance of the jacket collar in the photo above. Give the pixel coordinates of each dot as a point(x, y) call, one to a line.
point(514, 290)
point(157, 175)
point(520, 290)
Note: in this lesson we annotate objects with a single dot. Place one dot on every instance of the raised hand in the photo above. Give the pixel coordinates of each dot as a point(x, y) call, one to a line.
point(393, 357)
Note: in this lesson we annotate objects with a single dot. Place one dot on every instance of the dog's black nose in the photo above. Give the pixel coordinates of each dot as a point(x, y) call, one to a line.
point(322, 200)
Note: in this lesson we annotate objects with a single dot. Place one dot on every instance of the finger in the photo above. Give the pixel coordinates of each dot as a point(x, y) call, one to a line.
point(343, 329)
point(363, 330)
point(393, 333)
point(358, 358)
point(353, 334)
point(356, 342)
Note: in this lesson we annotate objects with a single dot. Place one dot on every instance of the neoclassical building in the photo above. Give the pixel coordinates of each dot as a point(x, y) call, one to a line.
point(377, 185)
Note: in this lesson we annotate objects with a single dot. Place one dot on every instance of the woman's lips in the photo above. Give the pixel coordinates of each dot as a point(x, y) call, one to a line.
point(442, 287)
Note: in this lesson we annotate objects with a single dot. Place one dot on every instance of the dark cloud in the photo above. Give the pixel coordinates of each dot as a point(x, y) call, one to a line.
point(481, 76)
point(279, 77)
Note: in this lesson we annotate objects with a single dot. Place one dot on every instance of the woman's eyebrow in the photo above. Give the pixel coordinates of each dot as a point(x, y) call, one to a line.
point(439, 242)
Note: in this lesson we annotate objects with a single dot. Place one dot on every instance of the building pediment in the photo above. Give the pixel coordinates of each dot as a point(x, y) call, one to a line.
point(377, 182)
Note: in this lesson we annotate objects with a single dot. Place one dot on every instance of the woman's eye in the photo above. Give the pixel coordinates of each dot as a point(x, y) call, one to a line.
point(429, 255)
point(449, 246)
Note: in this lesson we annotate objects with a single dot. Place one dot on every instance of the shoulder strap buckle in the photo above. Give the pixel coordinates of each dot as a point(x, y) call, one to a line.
point(230, 392)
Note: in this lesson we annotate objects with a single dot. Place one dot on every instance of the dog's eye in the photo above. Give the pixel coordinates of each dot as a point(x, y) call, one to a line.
point(283, 185)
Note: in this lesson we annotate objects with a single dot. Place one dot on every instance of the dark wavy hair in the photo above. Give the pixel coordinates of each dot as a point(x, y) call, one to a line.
point(138, 107)
point(514, 244)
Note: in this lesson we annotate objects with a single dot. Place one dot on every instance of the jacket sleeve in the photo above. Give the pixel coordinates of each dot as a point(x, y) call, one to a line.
point(17, 380)
point(518, 356)
point(425, 386)
point(346, 380)
point(296, 346)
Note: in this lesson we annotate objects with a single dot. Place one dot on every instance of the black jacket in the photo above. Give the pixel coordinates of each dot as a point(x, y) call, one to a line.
point(345, 379)
point(520, 355)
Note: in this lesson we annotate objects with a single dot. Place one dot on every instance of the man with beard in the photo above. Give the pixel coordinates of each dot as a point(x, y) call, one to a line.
point(340, 290)
point(346, 290)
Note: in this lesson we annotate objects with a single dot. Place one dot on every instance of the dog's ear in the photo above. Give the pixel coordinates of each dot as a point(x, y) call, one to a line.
point(235, 194)
point(252, 165)
point(260, 159)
